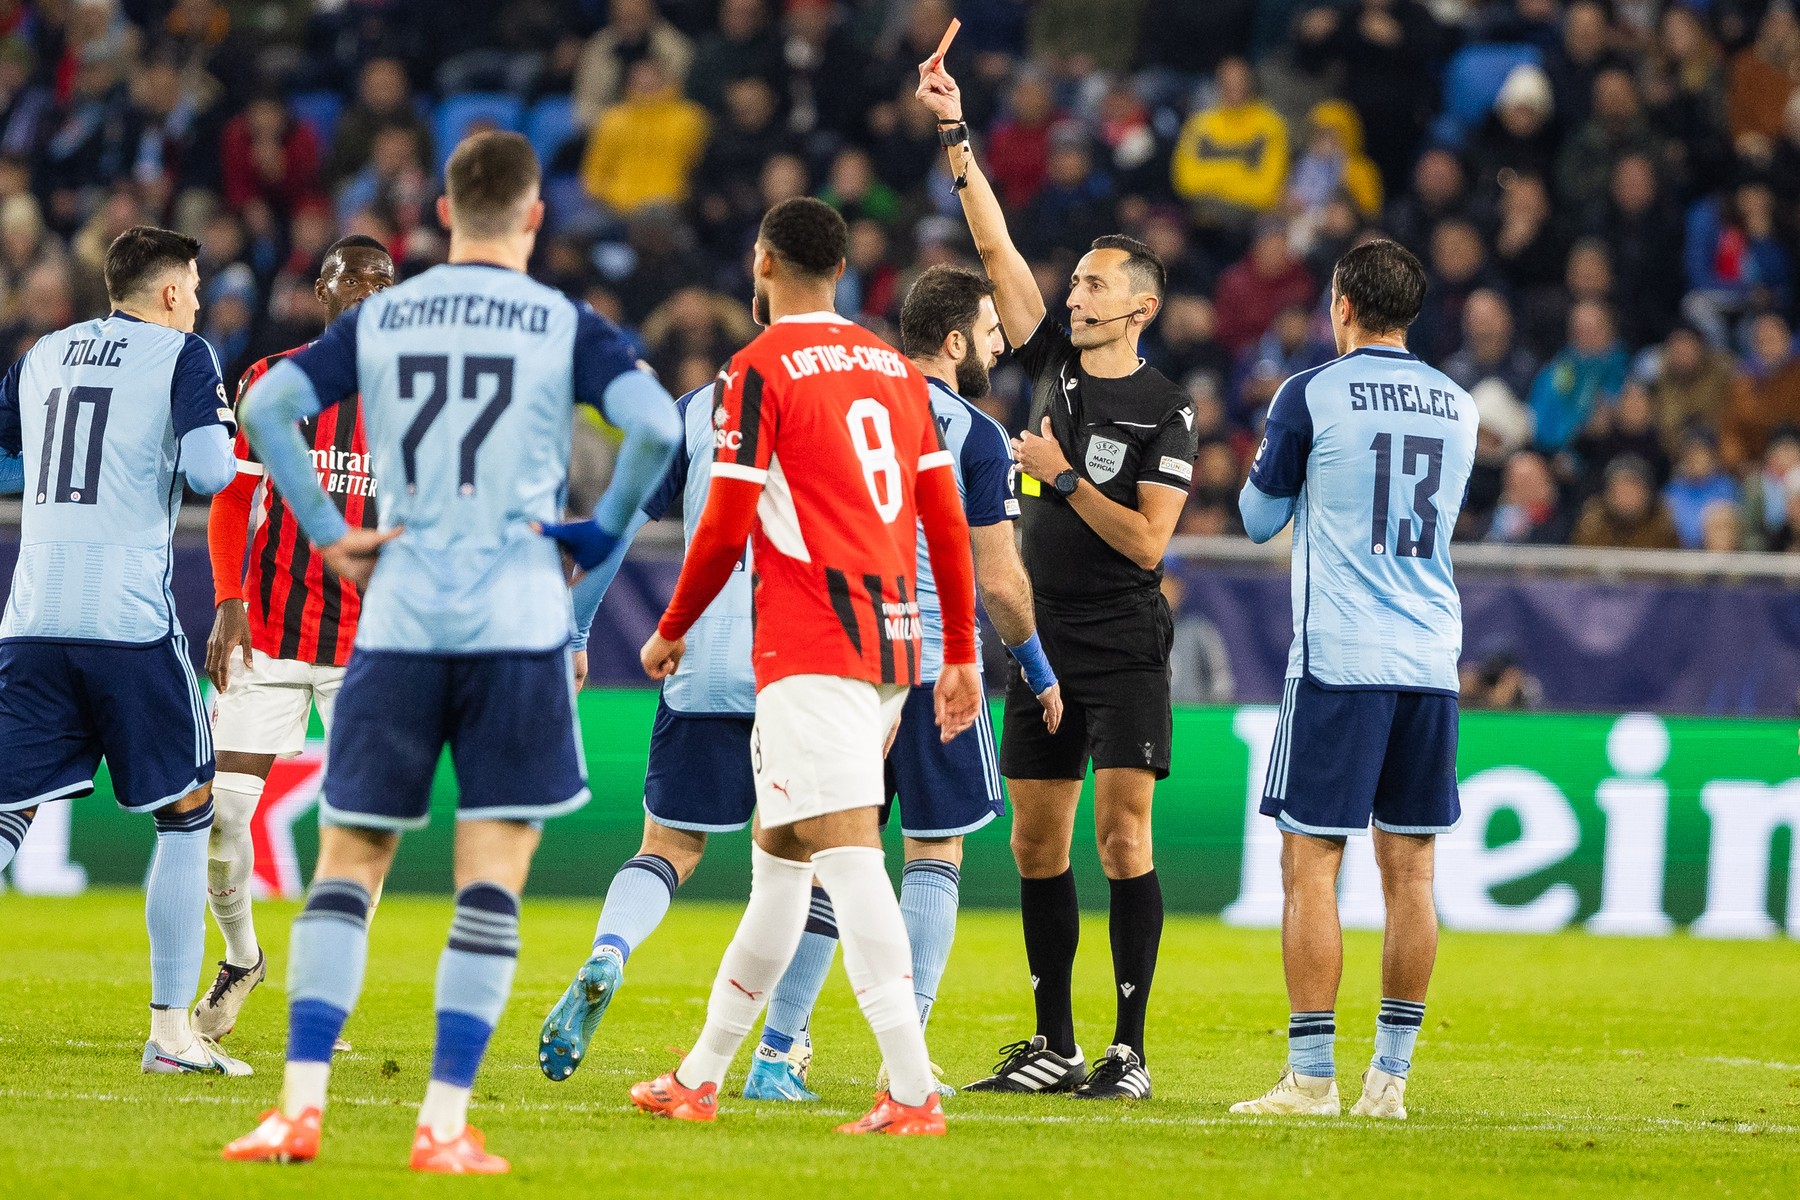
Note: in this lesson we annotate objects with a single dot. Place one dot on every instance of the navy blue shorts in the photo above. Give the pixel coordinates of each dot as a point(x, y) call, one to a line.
point(945, 788)
point(66, 705)
point(1342, 757)
point(509, 720)
point(699, 776)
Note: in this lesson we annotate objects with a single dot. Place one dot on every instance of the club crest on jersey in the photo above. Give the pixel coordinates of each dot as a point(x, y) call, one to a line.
point(1104, 458)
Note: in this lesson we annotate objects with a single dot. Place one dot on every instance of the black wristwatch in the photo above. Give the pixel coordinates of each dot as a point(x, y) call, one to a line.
point(952, 134)
point(1066, 482)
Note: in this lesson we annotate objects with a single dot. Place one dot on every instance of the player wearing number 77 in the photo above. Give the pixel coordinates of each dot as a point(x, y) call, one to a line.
point(1369, 456)
point(827, 458)
point(468, 373)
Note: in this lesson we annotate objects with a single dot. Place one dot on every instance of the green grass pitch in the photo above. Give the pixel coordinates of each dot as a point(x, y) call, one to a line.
point(1550, 1065)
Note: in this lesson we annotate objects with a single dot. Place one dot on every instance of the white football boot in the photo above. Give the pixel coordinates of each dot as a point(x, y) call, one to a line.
point(201, 1056)
point(1383, 1095)
point(217, 1012)
point(1295, 1096)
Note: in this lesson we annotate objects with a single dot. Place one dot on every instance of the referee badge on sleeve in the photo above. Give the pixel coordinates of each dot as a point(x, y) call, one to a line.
point(1104, 458)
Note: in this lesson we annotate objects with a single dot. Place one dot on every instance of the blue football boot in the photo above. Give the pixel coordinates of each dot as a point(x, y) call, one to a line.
point(775, 1079)
point(571, 1024)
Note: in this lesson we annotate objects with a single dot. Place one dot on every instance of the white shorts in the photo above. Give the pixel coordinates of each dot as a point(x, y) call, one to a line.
point(263, 710)
point(816, 746)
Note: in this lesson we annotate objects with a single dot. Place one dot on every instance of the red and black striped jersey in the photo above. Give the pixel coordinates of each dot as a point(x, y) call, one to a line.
point(299, 610)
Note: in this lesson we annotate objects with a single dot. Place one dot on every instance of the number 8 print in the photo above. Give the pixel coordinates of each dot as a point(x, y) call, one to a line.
point(873, 435)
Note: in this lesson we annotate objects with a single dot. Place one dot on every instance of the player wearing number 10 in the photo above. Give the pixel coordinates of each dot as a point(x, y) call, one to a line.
point(1370, 456)
point(468, 373)
point(101, 422)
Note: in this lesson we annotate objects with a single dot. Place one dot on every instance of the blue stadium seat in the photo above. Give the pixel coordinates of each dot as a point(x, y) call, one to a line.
point(321, 110)
point(549, 125)
point(1471, 81)
point(457, 115)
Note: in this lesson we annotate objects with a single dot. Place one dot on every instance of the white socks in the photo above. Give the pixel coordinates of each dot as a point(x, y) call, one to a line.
point(303, 1087)
point(446, 1110)
point(169, 1029)
point(878, 960)
point(231, 860)
point(774, 919)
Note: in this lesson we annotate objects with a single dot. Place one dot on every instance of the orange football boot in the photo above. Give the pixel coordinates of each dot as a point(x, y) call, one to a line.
point(891, 1117)
point(279, 1139)
point(666, 1096)
point(464, 1154)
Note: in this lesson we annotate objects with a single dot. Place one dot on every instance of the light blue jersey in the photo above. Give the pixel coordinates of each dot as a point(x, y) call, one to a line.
point(981, 457)
point(468, 373)
point(99, 418)
point(1371, 455)
point(715, 675)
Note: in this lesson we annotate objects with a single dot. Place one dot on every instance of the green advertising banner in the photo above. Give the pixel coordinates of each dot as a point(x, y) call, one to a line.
point(1628, 824)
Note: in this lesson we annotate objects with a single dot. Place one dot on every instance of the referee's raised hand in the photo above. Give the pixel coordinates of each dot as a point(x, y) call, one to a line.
point(938, 91)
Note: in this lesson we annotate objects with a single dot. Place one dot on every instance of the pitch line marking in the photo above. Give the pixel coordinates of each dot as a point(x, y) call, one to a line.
point(1539, 1123)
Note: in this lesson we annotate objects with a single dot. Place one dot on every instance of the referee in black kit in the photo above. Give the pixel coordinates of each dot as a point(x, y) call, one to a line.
point(1107, 462)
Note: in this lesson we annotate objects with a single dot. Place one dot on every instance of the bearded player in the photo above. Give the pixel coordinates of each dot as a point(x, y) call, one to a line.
point(288, 619)
point(827, 452)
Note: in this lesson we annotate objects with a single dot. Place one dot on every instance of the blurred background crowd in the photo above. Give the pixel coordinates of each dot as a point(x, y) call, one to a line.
point(1606, 193)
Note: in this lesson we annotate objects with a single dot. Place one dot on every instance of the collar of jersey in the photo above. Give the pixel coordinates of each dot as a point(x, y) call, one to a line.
point(815, 318)
point(1383, 352)
point(935, 382)
point(124, 316)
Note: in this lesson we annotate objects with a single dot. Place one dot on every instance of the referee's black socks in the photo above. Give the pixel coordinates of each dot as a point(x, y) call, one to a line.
point(1052, 917)
point(1136, 927)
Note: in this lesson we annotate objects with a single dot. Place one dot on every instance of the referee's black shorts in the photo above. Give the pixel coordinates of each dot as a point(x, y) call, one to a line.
point(1112, 660)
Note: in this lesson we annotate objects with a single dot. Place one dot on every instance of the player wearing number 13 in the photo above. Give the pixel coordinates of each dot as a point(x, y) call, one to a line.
point(1370, 456)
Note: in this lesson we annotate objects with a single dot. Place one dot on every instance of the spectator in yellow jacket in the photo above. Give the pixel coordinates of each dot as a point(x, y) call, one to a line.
point(644, 149)
point(1232, 158)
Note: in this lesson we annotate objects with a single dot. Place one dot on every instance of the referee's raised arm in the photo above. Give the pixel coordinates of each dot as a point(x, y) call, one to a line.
point(1106, 461)
point(1016, 295)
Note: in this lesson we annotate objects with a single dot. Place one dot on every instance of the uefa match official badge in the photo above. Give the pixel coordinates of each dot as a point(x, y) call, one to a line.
point(1104, 458)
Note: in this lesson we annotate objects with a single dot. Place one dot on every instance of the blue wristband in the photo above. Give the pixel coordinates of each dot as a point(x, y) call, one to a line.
point(586, 542)
point(1038, 675)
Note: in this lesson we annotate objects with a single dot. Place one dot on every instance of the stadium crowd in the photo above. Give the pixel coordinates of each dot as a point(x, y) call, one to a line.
point(1606, 195)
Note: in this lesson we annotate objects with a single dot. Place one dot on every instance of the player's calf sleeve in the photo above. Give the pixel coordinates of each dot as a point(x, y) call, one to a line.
point(1136, 924)
point(327, 953)
point(1311, 1037)
point(636, 903)
point(878, 960)
point(13, 826)
point(792, 1002)
point(475, 976)
point(760, 950)
point(175, 915)
point(231, 862)
point(929, 892)
point(1396, 1033)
